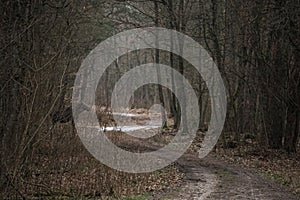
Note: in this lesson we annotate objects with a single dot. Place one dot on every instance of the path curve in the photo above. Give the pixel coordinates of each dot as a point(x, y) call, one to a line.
point(213, 179)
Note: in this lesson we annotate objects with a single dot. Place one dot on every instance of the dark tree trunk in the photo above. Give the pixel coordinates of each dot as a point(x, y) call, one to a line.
point(160, 91)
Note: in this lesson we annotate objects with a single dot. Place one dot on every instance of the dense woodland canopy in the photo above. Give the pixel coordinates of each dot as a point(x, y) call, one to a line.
point(255, 44)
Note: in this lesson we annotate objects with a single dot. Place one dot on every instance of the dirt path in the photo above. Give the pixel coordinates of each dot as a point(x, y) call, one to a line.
point(199, 182)
point(212, 179)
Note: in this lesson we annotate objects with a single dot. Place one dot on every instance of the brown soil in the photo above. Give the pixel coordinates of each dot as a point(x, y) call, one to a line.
point(213, 178)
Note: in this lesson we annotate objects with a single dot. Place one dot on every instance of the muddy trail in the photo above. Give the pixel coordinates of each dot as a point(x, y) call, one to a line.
point(211, 178)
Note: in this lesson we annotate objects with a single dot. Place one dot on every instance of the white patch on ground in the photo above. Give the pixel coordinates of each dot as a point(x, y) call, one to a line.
point(127, 128)
point(126, 114)
point(134, 129)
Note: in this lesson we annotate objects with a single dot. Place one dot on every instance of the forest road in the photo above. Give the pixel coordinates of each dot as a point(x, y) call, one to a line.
point(213, 179)
point(210, 178)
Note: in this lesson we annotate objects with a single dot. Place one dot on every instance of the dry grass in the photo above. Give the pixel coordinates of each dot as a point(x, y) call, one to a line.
point(62, 168)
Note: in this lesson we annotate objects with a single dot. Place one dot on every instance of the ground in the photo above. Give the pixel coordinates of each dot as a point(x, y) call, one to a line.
point(213, 178)
point(64, 169)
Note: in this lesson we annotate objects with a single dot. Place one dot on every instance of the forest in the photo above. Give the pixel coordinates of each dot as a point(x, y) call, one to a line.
point(254, 45)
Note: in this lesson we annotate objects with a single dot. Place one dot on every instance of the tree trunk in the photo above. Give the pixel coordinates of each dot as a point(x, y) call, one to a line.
point(160, 91)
